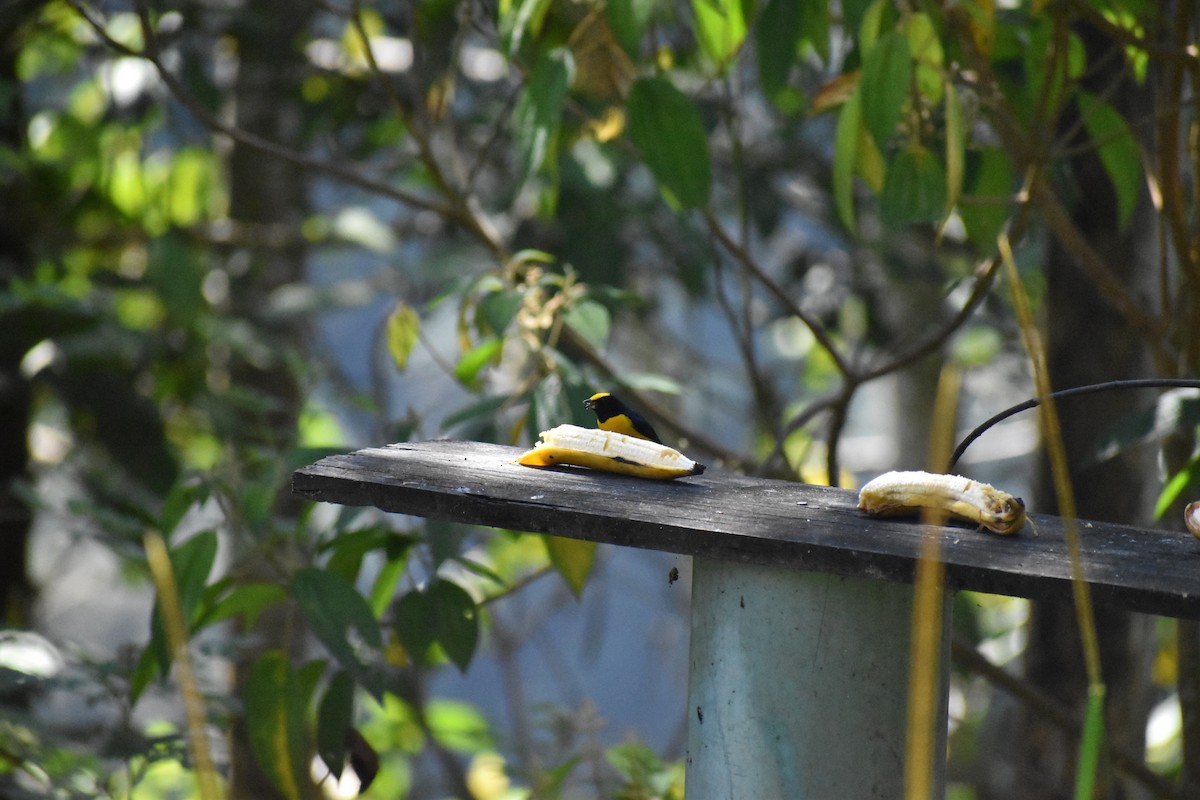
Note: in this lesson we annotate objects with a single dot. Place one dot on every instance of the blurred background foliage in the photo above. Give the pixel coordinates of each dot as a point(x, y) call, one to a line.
point(236, 236)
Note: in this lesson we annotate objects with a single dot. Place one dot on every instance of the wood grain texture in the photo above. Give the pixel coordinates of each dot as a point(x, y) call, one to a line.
point(726, 516)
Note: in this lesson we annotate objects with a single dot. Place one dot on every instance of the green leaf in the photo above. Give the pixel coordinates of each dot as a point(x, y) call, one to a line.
point(183, 495)
point(333, 608)
point(720, 28)
point(245, 600)
point(191, 562)
point(275, 719)
point(886, 72)
point(927, 54)
point(853, 12)
point(991, 187)
point(538, 114)
point(666, 128)
point(518, 19)
point(1090, 744)
point(443, 613)
point(956, 137)
point(1118, 151)
point(335, 716)
point(347, 550)
point(777, 39)
point(914, 190)
point(572, 558)
point(628, 20)
point(498, 309)
point(414, 624)
point(178, 273)
point(459, 726)
point(384, 586)
point(591, 321)
point(845, 152)
point(474, 360)
point(456, 620)
point(403, 330)
point(814, 27)
point(1187, 479)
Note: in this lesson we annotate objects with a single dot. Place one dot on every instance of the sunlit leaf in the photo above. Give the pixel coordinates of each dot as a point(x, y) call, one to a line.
point(720, 28)
point(914, 190)
point(1118, 151)
point(538, 113)
point(886, 72)
point(474, 360)
point(384, 586)
point(666, 128)
point(459, 726)
point(927, 54)
point(403, 332)
point(1186, 480)
point(572, 558)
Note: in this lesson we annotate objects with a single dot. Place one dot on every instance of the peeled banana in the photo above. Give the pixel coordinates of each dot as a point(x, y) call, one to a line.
point(894, 493)
point(610, 452)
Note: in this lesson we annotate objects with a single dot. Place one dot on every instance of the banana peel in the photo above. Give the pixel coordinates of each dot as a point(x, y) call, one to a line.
point(609, 451)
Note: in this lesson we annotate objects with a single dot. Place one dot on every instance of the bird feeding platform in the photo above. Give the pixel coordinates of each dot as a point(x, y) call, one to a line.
point(801, 615)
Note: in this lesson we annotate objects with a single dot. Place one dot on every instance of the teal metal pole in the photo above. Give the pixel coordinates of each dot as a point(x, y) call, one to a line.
point(798, 685)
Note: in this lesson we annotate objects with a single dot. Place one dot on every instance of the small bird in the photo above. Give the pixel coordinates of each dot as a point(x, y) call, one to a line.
point(613, 415)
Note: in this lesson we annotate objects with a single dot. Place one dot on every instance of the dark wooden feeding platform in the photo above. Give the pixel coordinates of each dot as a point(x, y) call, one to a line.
point(805, 695)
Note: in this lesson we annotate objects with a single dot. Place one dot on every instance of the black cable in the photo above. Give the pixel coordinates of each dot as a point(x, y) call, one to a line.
point(1091, 388)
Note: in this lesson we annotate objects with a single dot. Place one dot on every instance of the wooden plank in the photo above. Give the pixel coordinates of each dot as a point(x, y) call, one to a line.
point(731, 517)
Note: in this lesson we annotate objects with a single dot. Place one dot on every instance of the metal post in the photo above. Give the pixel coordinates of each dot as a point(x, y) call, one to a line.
point(798, 685)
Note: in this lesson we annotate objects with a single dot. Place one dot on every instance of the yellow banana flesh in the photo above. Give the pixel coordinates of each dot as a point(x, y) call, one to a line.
point(610, 452)
point(895, 493)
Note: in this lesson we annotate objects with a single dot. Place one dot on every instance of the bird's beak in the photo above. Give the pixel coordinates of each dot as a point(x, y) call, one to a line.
point(588, 403)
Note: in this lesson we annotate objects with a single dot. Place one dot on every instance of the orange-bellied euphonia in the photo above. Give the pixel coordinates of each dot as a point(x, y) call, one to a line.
point(613, 415)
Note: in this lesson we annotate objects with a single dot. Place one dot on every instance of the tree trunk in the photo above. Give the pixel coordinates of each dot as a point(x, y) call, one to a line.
point(16, 262)
point(267, 195)
point(1087, 342)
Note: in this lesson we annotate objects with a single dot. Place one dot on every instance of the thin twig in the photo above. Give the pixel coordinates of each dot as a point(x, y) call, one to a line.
point(743, 257)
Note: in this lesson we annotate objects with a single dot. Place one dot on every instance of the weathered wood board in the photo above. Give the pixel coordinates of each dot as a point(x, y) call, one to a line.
point(725, 516)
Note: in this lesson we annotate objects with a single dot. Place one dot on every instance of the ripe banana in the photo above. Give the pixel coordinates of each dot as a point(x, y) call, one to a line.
point(894, 493)
point(610, 452)
point(1191, 518)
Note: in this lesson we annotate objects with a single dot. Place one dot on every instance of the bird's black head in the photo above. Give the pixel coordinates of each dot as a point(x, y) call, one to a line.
point(605, 405)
